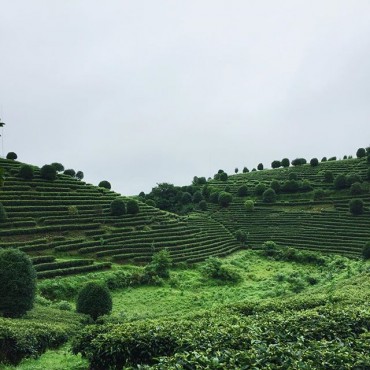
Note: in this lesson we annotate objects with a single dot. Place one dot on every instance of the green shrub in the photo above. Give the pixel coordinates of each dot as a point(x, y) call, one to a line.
point(214, 268)
point(285, 162)
point(48, 172)
point(186, 198)
point(241, 236)
point(151, 203)
point(332, 159)
point(213, 197)
point(314, 162)
point(197, 197)
point(203, 205)
point(70, 172)
point(269, 196)
point(275, 164)
point(95, 300)
point(361, 152)
point(290, 186)
point(242, 190)
point(223, 176)
point(275, 184)
point(324, 159)
point(319, 194)
point(3, 215)
point(306, 186)
point(224, 199)
point(260, 167)
point(17, 283)
point(356, 189)
point(351, 178)
point(298, 161)
point(245, 170)
point(249, 205)
point(58, 166)
point(356, 206)
point(340, 182)
point(292, 176)
point(79, 175)
point(366, 251)
point(236, 170)
point(118, 207)
point(11, 155)
point(105, 184)
point(26, 172)
point(259, 188)
point(160, 264)
point(328, 176)
point(132, 207)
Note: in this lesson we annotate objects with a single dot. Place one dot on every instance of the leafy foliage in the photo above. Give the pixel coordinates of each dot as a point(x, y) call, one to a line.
point(48, 172)
point(132, 207)
point(118, 207)
point(105, 184)
point(26, 172)
point(356, 206)
point(224, 199)
point(3, 214)
point(11, 155)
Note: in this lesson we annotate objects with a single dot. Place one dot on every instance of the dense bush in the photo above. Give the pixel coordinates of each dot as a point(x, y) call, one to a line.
point(70, 172)
point(351, 178)
point(48, 172)
point(314, 162)
point(236, 170)
point(275, 184)
point(319, 194)
point(328, 176)
point(298, 161)
point(366, 251)
point(105, 184)
point(224, 199)
point(324, 159)
point(197, 196)
point(17, 283)
point(242, 190)
point(290, 186)
point(58, 166)
point(160, 264)
point(260, 167)
point(249, 205)
point(285, 162)
point(292, 176)
point(151, 203)
point(275, 164)
point(356, 206)
point(213, 197)
point(132, 207)
point(79, 175)
point(332, 159)
point(186, 198)
point(305, 186)
point(259, 188)
point(3, 215)
point(245, 170)
point(118, 207)
point(241, 236)
point(223, 176)
point(269, 196)
point(94, 300)
point(340, 182)
point(356, 189)
point(26, 172)
point(203, 205)
point(213, 268)
point(361, 152)
point(11, 155)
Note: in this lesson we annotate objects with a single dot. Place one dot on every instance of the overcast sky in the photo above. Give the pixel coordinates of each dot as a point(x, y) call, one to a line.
point(143, 92)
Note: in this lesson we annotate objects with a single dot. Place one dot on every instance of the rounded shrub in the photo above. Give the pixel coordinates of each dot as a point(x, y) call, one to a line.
point(324, 159)
point(236, 170)
point(118, 207)
point(11, 155)
point(213, 197)
point(298, 161)
point(223, 176)
point(319, 194)
point(58, 166)
point(275, 164)
point(186, 198)
point(79, 175)
point(132, 207)
point(290, 186)
point(245, 170)
point(151, 203)
point(224, 199)
point(340, 182)
point(94, 300)
point(328, 176)
point(203, 205)
point(105, 184)
point(351, 178)
point(70, 172)
point(26, 172)
point(242, 190)
point(269, 196)
point(17, 283)
point(356, 206)
point(260, 167)
point(275, 184)
point(48, 172)
point(197, 197)
point(293, 176)
point(285, 162)
point(314, 162)
point(260, 188)
point(356, 188)
point(241, 236)
point(366, 251)
point(249, 205)
point(361, 152)
point(332, 158)
point(3, 215)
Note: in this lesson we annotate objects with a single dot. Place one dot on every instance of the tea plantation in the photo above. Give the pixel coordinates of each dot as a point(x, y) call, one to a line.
point(256, 270)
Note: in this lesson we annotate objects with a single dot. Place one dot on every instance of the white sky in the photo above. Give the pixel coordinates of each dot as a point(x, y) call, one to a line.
point(143, 92)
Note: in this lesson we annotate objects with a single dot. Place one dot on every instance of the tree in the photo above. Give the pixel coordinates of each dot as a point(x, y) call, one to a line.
point(79, 175)
point(366, 251)
point(223, 176)
point(224, 199)
point(236, 170)
point(105, 184)
point(94, 300)
point(293, 176)
point(11, 155)
point(203, 205)
point(355, 189)
point(351, 178)
point(242, 190)
point(17, 282)
point(186, 198)
point(118, 207)
point(361, 152)
point(356, 206)
point(298, 161)
point(197, 197)
point(70, 172)
point(48, 172)
point(285, 162)
point(245, 170)
point(26, 172)
point(275, 164)
point(290, 186)
point(260, 167)
point(259, 188)
point(340, 182)
point(3, 215)
point(58, 166)
point(275, 184)
point(151, 203)
point(241, 236)
point(249, 205)
point(324, 159)
point(160, 264)
point(132, 207)
point(213, 197)
point(314, 162)
point(269, 196)
point(328, 176)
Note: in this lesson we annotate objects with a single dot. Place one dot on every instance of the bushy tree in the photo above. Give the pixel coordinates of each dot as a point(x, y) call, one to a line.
point(223, 176)
point(70, 172)
point(356, 206)
point(26, 172)
point(366, 251)
point(324, 159)
point(328, 176)
point(355, 189)
point(290, 186)
point(79, 175)
point(275, 164)
point(241, 236)
point(224, 199)
point(105, 184)
point(242, 190)
point(260, 167)
point(214, 268)
point(314, 162)
point(58, 166)
point(259, 188)
point(236, 170)
point(292, 176)
point(48, 172)
point(361, 152)
point(203, 205)
point(11, 155)
point(332, 158)
point(197, 197)
point(213, 197)
point(285, 162)
point(351, 178)
point(269, 196)
point(245, 170)
point(3, 215)
point(249, 205)
point(306, 186)
point(275, 184)
point(160, 264)
point(151, 203)
point(17, 282)
point(298, 161)
point(95, 300)
point(118, 207)
point(340, 182)
point(186, 198)
point(132, 207)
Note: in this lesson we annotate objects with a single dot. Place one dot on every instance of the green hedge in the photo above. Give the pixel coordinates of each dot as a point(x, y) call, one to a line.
point(49, 266)
point(73, 270)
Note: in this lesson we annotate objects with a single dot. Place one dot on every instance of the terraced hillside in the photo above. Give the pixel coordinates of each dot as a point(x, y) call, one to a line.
point(297, 218)
point(67, 228)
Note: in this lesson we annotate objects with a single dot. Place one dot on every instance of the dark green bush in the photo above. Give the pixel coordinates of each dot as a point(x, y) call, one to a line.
point(275, 164)
point(298, 161)
point(319, 194)
point(224, 199)
point(328, 176)
point(259, 188)
point(356, 189)
point(366, 251)
point(242, 191)
point(245, 170)
point(241, 236)
point(17, 283)
point(197, 197)
point(79, 175)
point(361, 152)
point(11, 155)
point(186, 198)
point(214, 268)
point(356, 206)
point(132, 207)
point(223, 176)
point(324, 159)
point(351, 178)
point(314, 162)
point(151, 203)
point(58, 166)
point(236, 170)
point(260, 167)
point(213, 197)
point(3, 215)
point(275, 184)
point(332, 159)
point(269, 196)
point(48, 172)
point(118, 207)
point(305, 186)
point(290, 186)
point(70, 172)
point(203, 205)
point(292, 176)
point(94, 300)
point(104, 184)
point(26, 172)
point(285, 162)
point(340, 182)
